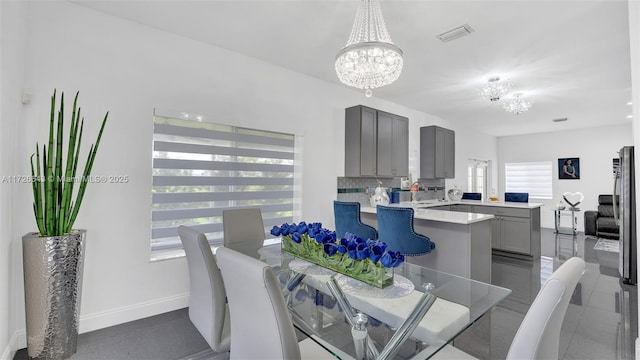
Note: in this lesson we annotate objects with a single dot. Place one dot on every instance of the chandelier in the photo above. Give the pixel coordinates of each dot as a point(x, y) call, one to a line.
point(495, 89)
point(369, 60)
point(518, 105)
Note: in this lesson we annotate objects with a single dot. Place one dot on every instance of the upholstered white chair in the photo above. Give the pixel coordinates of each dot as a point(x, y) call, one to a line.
point(208, 308)
point(243, 229)
point(260, 324)
point(538, 336)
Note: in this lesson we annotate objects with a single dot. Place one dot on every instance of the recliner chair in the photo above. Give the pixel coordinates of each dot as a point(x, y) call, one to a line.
point(601, 223)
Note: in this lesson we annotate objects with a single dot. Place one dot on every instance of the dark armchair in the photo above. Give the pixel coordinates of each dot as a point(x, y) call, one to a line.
point(601, 223)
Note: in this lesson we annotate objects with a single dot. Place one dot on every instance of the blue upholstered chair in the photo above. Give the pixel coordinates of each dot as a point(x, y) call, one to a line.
point(471, 196)
point(516, 197)
point(347, 219)
point(395, 227)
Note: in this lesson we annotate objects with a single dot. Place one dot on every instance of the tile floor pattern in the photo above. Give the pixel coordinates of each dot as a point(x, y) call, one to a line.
point(601, 321)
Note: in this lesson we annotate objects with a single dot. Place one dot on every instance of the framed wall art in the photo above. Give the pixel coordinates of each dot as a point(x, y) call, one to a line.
point(569, 168)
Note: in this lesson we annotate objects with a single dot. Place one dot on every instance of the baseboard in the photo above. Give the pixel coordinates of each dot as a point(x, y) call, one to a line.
point(125, 314)
point(14, 344)
point(104, 319)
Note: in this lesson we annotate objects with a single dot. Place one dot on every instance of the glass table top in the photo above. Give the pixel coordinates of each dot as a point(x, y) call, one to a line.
point(412, 319)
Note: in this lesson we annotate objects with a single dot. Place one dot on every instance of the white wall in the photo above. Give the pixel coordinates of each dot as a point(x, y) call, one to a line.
point(12, 36)
point(596, 148)
point(129, 70)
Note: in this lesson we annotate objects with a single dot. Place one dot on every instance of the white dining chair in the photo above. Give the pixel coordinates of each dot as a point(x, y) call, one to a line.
point(243, 226)
point(538, 337)
point(208, 310)
point(260, 324)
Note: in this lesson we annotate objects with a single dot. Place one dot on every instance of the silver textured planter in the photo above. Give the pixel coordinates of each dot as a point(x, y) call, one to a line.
point(52, 285)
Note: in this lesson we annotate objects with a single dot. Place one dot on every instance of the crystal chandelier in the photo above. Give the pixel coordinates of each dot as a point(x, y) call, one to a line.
point(518, 105)
point(495, 89)
point(370, 59)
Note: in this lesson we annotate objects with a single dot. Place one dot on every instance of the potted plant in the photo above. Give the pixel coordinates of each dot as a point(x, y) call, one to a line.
point(53, 257)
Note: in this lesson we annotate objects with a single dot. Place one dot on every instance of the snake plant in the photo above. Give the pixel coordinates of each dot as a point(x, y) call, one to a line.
point(53, 186)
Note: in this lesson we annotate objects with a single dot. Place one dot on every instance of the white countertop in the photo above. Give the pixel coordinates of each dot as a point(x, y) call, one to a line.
point(433, 203)
point(453, 217)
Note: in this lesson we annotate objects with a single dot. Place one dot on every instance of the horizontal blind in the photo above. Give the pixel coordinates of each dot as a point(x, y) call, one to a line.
point(535, 178)
point(201, 169)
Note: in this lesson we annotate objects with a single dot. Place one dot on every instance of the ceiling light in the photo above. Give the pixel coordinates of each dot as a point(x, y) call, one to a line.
point(629, 116)
point(453, 34)
point(495, 89)
point(560, 119)
point(630, 103)
point(370, 59)
point(518, 105)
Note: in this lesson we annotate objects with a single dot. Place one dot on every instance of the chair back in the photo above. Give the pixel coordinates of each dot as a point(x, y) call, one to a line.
point(347, 219)
point(207, 297)
point(243, 228)
point(471, 196)
point(395, 227)
point(538, 336)
point(516, 197)
point(259, 317)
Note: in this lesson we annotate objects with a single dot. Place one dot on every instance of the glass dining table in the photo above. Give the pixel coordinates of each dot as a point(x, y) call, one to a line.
point(423, 311)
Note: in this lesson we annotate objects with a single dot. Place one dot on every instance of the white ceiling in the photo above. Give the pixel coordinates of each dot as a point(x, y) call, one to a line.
point(571, 57)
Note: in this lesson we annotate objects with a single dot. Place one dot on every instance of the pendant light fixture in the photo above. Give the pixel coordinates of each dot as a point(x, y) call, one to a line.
point(495, 89)
point(369, 60)
point(518, 105)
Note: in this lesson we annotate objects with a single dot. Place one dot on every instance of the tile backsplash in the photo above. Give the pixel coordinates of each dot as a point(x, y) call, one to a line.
point(360, 189)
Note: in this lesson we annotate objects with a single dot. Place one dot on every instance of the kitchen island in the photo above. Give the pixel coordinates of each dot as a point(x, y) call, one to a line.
point(467, 232)
point(463, 240)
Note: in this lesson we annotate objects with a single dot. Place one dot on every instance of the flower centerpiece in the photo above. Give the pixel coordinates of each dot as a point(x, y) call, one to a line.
point(365, 260)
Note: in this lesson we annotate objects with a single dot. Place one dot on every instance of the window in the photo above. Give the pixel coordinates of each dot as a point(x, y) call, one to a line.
point(477, 177)
point(201, 168)
point(534, 178)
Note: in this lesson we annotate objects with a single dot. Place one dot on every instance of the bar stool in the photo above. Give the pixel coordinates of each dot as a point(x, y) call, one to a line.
point(395, 227)
point(347, 219)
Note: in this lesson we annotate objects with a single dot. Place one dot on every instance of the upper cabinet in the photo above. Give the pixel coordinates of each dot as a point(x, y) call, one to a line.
point(376, 143)
point(437, 153)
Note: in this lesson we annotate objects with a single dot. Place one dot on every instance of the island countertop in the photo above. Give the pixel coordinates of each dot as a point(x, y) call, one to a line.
point(435, 203)
point(444, 216)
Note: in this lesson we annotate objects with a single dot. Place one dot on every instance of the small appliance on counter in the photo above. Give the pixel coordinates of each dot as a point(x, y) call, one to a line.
point(405, 183)
point(380, 196)
point(454, 194)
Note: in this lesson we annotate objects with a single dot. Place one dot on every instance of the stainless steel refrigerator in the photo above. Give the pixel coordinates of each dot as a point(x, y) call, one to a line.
point(624, 208)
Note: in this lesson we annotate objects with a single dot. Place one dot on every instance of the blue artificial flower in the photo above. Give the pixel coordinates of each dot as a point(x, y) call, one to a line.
point(351, 250)
point(370, 242)
point(382, 245)
point(362, 251)
point(360, 240)
point(386, 260)
point(330, 249)
point(275, 231)
point(342, 249)
point(376, 252)
point(396, 258)
point(284, 229)
point(296, 237)
point(302, 227)
point(319, 236)
point(292, 228)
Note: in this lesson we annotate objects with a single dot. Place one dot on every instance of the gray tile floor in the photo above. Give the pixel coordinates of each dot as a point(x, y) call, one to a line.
point(600, 321)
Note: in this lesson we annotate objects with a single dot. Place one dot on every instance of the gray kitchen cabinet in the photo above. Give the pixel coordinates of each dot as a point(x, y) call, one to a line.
point(376, 143)
point(437, 153)
point(515, 231)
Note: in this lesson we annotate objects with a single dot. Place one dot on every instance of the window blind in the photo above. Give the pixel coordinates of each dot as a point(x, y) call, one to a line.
point(201, 168)
point(535, 178)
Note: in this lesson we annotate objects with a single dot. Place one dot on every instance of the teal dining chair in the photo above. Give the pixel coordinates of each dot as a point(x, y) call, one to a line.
point(347, 219)
point(395, 227)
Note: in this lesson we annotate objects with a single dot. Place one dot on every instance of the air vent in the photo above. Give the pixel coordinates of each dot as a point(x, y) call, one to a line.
point(560, 119)
point(453, 34)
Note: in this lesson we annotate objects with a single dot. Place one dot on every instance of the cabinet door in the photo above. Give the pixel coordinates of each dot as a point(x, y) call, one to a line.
point(449, 155)
point(515, 233)
point(400, 147)
point(385, 144)
point(368, 140)
point(496, 229)
point(440, 145)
